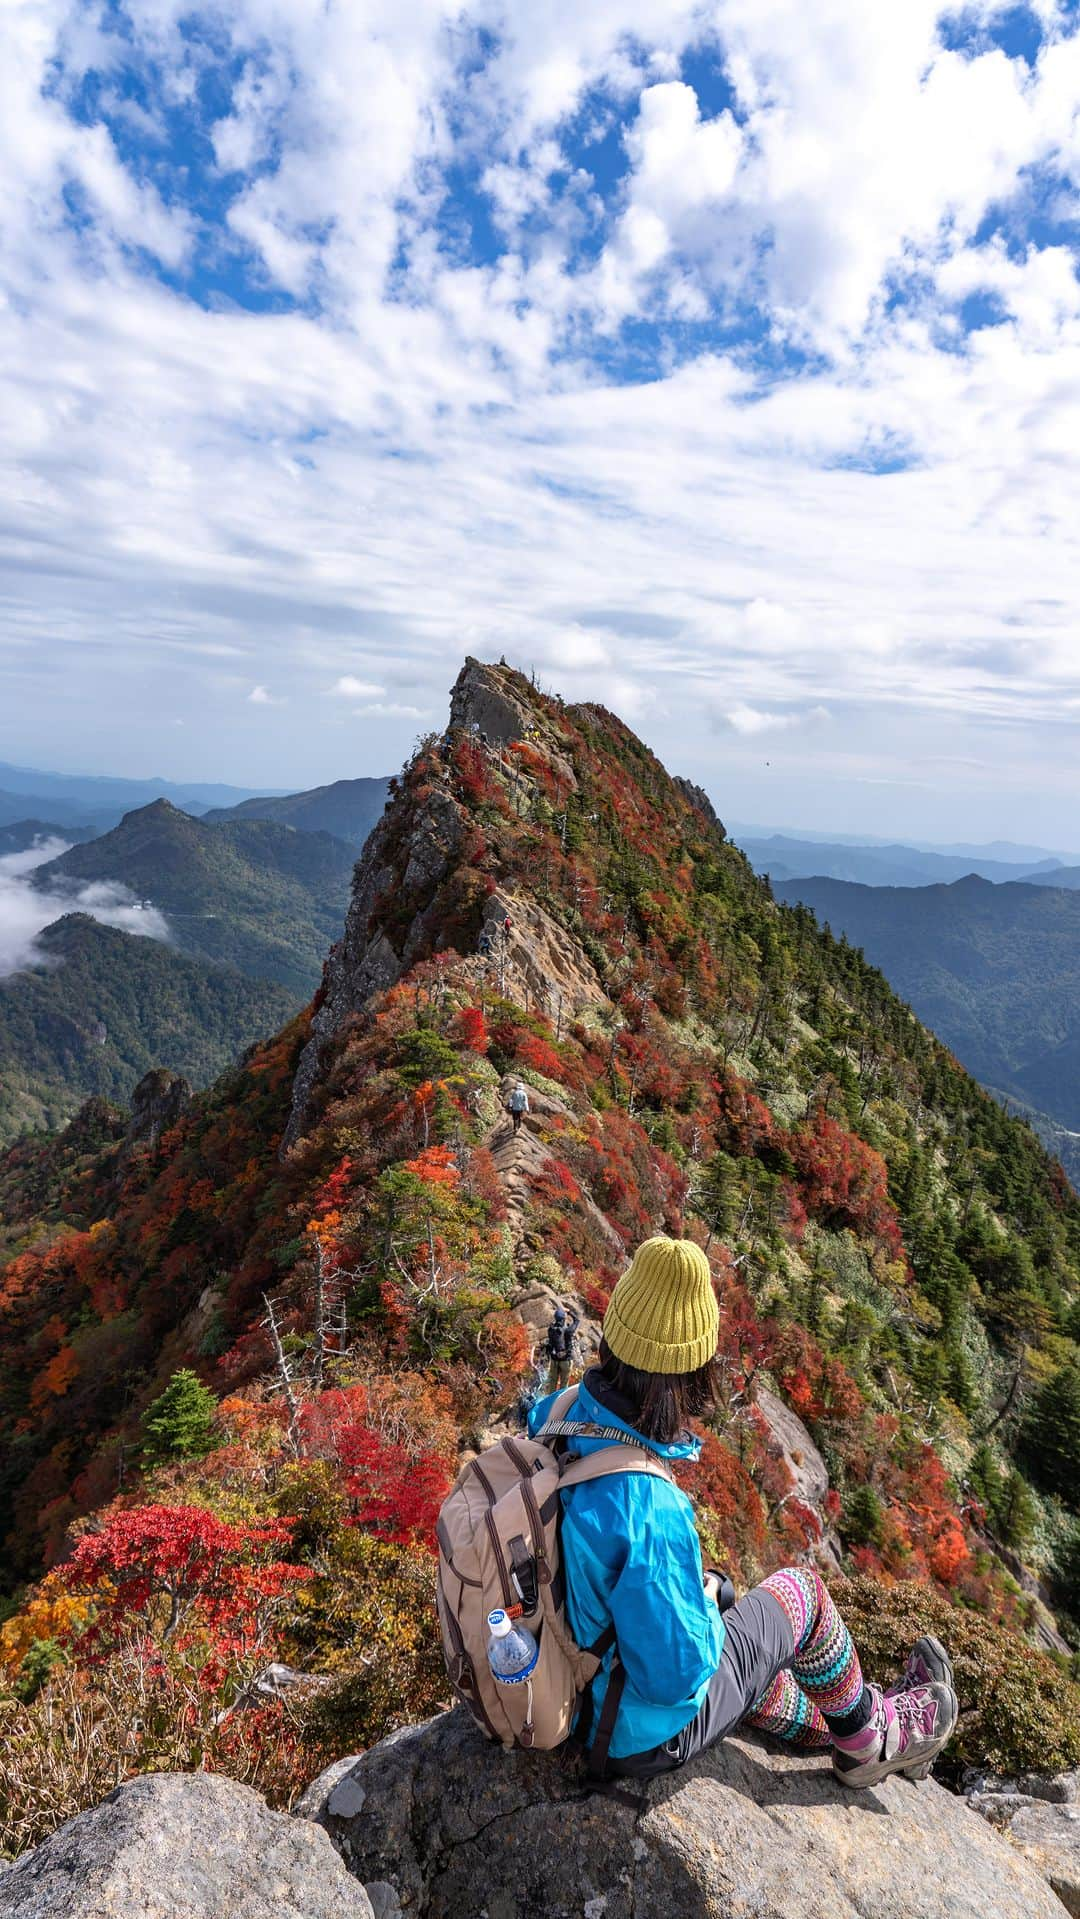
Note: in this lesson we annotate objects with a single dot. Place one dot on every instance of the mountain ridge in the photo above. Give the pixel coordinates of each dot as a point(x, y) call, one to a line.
point(346, 808)
point(886, 864)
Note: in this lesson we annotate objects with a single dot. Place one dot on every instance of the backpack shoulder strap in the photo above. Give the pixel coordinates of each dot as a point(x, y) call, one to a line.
point(560, 1407)
point(613, 1459)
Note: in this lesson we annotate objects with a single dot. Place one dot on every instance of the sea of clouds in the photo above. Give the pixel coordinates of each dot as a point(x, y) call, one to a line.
point(26, 910)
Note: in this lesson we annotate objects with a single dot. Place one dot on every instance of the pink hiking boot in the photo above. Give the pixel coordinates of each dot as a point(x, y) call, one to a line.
point(928, 1665)
point(905, 1733)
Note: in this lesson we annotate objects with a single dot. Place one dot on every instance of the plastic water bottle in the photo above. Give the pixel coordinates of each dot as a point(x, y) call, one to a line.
point(512, 1651)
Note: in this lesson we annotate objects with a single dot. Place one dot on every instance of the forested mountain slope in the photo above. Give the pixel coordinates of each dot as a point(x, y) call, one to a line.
point(995, 970)
point(345, 1242)
point(23, 834)
point(252, 894)
point(102, 1007)
point(347, 808)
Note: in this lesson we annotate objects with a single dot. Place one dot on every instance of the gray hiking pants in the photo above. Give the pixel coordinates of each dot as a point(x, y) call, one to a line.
point(758, 1643)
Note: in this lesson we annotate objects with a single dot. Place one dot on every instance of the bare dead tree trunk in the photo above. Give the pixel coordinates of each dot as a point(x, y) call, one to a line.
point(1010, 1398)
point(318, 1363)
point(285, 1377)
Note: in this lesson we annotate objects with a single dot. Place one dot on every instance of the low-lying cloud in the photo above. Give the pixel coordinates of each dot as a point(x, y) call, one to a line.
point(26, 910)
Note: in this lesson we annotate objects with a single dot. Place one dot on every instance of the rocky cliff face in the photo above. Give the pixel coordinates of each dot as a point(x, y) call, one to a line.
point(399, 907)
point(410, 852)
point(157, 1103)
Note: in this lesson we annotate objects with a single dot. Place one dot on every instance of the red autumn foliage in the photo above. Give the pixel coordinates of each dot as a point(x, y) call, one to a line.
point(472, 1027)
point(180, 1569)
point(394, 1492)
point(720, 1485)
point(436, 1165)
point(844, 1182)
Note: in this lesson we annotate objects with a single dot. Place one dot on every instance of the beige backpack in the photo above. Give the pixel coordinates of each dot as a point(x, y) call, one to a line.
point(499, 1547)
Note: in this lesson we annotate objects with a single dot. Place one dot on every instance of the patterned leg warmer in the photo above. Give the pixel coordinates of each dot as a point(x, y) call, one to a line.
point(785, 1711)
point(825, 1664)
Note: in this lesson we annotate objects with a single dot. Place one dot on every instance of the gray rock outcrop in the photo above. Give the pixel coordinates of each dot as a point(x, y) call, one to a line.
point(183, 1846)
point(409, 852)
point(454, 1827)
point(1040, 1816)
point(403, 882)
point(483, 697)
point(156, 1104)
point(789, 1440)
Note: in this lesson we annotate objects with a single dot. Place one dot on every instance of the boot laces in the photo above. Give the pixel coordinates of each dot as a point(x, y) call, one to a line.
point(911, 1709)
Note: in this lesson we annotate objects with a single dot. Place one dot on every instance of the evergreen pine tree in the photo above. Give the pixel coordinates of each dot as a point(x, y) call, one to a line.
point(180, 1422)
point(718, 1198)
point(1051, 1438)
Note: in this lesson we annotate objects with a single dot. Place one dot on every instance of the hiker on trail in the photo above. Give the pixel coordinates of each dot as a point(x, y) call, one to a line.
point(506, 927)
point(483, 944)
point(559, 1347)
point(677, 1676)
point(517, 1105)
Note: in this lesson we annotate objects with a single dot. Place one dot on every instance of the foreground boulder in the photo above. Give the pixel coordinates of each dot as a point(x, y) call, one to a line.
point(183, 1846)
point(447, 1826)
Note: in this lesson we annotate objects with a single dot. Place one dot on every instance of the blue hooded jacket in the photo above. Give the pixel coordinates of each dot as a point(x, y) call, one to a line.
point(631, 1559)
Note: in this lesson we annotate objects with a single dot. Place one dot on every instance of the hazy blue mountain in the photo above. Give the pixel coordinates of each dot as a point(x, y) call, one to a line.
point(995, 970)
point(67, 815)
point(347, 808)
point(784, 858)
point(264, 898)
point(1006, 852)
point(99, 794)
point(1067, 876)
point(104, 1007)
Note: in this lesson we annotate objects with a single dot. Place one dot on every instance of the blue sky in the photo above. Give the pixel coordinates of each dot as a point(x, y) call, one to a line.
point(720, 361)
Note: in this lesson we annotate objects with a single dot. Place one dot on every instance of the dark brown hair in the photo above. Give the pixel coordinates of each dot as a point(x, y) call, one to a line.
point(661, 1403)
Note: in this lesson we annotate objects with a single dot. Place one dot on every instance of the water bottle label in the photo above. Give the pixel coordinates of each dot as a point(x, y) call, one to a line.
point(518, 1678)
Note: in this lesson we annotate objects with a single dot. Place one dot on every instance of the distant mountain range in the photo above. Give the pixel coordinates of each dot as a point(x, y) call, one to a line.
point(1007, 852)
point(785, 858)
point(348, 809)
point(85, 800)
point(994, 969)
point(247, 893)
point(104, 1006)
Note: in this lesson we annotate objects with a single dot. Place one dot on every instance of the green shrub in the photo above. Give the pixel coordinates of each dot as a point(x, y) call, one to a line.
point(1019, 1711)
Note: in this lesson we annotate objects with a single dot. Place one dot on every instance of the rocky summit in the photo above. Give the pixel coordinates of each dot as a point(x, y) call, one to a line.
point(435, 1824)
point(748, 1832)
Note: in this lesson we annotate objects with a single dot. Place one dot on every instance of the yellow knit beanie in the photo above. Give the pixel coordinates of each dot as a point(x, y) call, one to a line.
point(662, 1316)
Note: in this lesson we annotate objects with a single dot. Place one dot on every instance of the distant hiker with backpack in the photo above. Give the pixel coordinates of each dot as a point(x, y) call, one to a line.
point(660, 1673)
point(559, 1347)
point(517, 1105)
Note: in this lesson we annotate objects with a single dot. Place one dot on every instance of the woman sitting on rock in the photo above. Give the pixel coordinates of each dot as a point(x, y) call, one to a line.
point(680, 1677)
